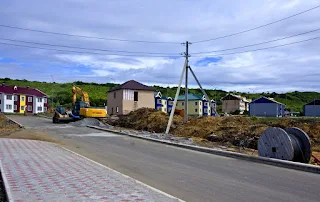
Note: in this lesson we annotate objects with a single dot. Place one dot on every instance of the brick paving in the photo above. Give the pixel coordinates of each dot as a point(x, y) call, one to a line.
point(42, 171)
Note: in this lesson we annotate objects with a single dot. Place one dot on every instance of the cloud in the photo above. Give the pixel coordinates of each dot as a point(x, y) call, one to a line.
point(286, 68)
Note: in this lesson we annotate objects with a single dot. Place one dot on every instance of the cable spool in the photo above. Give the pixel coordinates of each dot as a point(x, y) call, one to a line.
point(291, 144)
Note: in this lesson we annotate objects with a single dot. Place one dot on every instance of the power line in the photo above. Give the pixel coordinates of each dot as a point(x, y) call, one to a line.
point(261, 26)
point(91, 53)
point(95, 49)
point(239, 47)
point(88, 37)
point(261, 48)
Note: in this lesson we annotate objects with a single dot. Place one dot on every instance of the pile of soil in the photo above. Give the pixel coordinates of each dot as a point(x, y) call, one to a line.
point(88, 121)
point(7, 126)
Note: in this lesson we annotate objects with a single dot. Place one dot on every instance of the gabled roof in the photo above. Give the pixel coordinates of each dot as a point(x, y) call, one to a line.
point(132, 85)
point(157, 94)
point(21, 90)
point(191, 96)
point(263, 99)
point(314, 102)
point(234, 97)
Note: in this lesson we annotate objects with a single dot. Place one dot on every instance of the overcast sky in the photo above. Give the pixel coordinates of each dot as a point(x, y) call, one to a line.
point(288, 68)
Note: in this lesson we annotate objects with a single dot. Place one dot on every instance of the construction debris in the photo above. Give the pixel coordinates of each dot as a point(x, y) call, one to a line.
point(90, 121)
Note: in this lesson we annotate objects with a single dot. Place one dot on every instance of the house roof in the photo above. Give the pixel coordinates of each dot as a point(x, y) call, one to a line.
point(191, 96)
point(21, 90)
point(132, 85)
point(314, 102)
point(263, 99)
point(234, 97)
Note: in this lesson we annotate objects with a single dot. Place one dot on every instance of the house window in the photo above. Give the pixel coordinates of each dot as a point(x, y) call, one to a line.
point(9, 107)
point(200, 103)
point(114, 95)
point(22, 98)
point(39, 108)
point(45, 109)
point(182, 103)
point(165, 102)
point(159, 101)
point(135, 96)
point(29, 99)
point(39, 99)
point(45, 100)
point(22, 108)
point(15, 98)
point(205, 110)
point(170, 102)
point(205, 104)
point(200, 110)
point(117, 109)
point(196, 103)
point(112, 110)
point(196, 110)
point(159, 108)
point(15, 107)
point(165, 109)
point(29, 108)
point(9, 97)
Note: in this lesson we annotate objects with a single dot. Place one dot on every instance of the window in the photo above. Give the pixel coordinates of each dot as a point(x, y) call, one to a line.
point(45, 100)
point(29, 108)
point(200, 110)
point(115, 95)
point(9, 97)
point(22, 98)
point(15, 107)
point(165, 102)
point(159, 101)
point(196, 110)
point(29, 99)
point(196, 103)
point(9, 107)
point(39, 109)
point(170, 102)
point(205, 110)
point(205, 104)
point(117, 109)
point(22, 108)
point(165, 109)
point(135, 96)
point(182, 103)
point(200, 103)
point(39, 99)
point(159, 108)
point(45, 109)
point(15, 98)
point(112, 110)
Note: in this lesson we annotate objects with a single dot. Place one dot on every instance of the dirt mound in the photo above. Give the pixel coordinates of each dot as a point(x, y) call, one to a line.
point(7, 126)
point(147, 119)
point(88, 121)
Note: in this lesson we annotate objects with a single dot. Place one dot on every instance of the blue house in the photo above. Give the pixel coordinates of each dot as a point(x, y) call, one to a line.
point(266, 107)
point(163, 103)
point(213, 108)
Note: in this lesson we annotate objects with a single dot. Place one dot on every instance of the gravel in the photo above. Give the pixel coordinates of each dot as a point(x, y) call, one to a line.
point(90, 121)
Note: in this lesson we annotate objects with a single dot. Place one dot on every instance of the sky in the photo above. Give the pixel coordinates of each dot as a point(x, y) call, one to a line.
point(282, 69)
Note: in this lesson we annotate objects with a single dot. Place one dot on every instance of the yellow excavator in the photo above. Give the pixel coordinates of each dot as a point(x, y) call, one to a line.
point(82, 108)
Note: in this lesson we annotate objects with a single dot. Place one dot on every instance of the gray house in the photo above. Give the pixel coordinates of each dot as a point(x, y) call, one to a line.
point(312, 108)
point(264, 106)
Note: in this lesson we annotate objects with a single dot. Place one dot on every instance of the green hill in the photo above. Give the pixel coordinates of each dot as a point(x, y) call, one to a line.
point(98, 93)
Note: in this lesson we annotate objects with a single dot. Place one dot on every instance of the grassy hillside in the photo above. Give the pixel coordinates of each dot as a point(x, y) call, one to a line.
point(98, 93)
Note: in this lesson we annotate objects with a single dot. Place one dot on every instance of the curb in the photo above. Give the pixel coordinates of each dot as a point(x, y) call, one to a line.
point(20, 125)
point(6, 184)
point(257, 159)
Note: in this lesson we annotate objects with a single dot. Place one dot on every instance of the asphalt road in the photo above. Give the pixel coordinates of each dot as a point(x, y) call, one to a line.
point(189, 175)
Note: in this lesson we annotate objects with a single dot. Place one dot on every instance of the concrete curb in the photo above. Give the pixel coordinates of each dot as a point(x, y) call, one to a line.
point(20, 125)
point(6, 184)
point(257, 159)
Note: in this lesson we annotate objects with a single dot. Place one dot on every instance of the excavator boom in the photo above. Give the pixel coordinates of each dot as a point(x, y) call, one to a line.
point(78, 91)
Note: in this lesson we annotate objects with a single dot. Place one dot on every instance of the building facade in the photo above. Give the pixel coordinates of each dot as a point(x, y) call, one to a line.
point(14, 99)
point(312, 108)
point(163, 103)
point(266, 107)
point(232, 103)
point(128, 97)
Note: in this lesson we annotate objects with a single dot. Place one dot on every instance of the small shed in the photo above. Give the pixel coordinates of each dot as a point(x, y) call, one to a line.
point(312, 108)
point(266, 107)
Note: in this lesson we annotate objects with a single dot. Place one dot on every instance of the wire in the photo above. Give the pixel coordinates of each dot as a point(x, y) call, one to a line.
point(92, 53)
point(88, 37)
point(262, 48)
point(239, 47)
point(117, 51)
point(261, 26)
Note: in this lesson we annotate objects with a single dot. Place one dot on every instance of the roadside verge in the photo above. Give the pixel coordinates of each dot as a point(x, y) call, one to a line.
point(257, 159)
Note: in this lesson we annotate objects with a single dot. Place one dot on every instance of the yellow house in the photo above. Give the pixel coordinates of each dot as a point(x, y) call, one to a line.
point(197, 106)
point(22, 103)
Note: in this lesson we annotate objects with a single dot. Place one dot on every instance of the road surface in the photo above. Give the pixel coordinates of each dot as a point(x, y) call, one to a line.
point(186, 174)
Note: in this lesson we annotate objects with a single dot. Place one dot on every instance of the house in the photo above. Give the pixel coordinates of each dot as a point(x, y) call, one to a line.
point(197, 105)
point(312, 108)
point(163, 103)
point(232, 103)
point(15, 99)
point(130, 96)
point(268, 107)
point(213, 108)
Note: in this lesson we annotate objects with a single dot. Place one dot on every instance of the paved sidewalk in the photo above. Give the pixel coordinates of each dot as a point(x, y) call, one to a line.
point(42, 171)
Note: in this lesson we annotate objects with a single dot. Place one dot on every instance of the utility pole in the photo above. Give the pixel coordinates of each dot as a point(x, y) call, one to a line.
point(186, 84)
point(52, 92)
